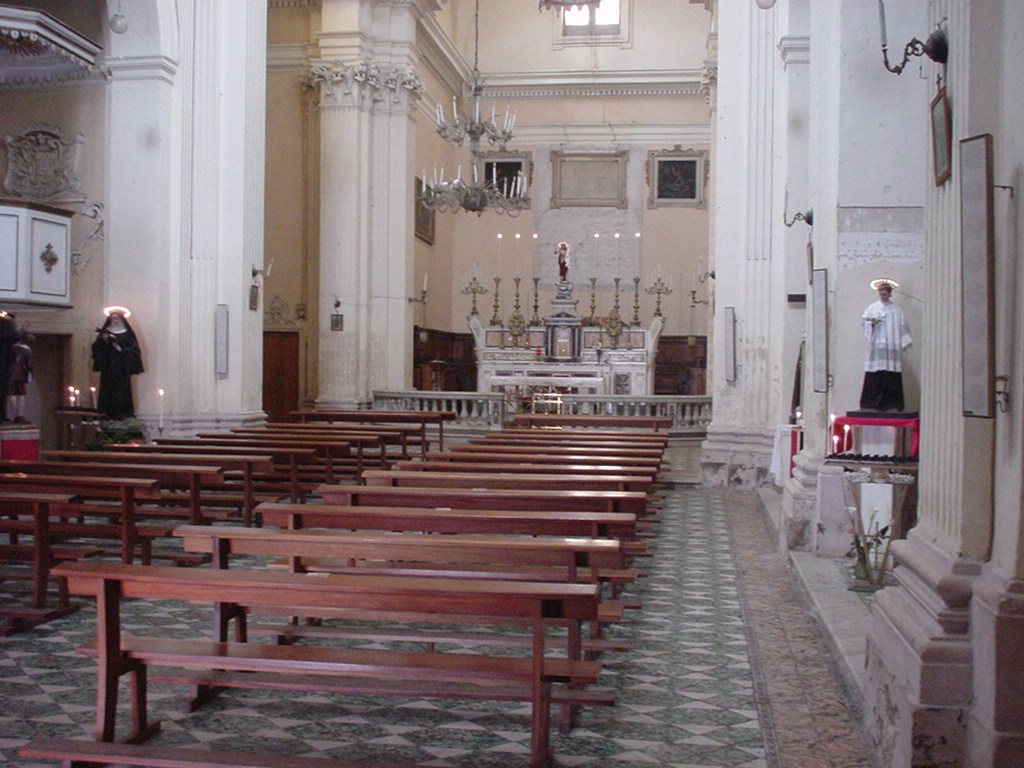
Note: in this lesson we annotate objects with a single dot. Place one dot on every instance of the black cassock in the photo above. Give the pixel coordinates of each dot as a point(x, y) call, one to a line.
point(116, 369)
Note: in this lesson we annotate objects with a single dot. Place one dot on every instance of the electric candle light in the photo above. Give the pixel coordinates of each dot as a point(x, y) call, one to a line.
point(92, 397)
point(160, 394)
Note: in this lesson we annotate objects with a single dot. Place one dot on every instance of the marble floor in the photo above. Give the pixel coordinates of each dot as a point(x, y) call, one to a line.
point(726, 669)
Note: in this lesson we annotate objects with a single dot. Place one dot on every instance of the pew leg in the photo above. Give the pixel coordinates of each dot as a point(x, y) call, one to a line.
point(540, 733)
point(142, 729)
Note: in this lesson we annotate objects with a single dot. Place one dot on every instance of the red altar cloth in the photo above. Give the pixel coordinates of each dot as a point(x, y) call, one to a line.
point(845, 436)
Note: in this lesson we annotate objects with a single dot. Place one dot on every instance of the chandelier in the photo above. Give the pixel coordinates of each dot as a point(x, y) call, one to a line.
point(504, 194)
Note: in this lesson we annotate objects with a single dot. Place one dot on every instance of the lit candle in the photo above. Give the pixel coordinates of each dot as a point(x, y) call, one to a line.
point(92, 397)
point(71, 395)
point(160, 393)
point(835, 443)
point(499, 248)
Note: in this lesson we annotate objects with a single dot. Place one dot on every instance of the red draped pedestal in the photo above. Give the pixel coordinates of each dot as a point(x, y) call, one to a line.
point(842, 438)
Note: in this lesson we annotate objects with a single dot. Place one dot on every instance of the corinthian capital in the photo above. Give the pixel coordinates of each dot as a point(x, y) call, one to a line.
point(366, 80)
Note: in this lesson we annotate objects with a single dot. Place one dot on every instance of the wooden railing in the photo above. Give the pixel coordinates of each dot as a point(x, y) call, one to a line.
point(690, 414)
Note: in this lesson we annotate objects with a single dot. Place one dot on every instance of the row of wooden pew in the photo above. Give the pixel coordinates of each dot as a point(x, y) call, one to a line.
point(545, 531)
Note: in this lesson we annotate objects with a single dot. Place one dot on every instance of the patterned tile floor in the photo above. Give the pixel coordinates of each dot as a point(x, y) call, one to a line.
point(725, 670)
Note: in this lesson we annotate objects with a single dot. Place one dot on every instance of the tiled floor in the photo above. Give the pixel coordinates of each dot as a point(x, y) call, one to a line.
point(725, 670)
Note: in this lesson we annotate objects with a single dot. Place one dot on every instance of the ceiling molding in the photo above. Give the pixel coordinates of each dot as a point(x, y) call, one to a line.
point(37, 48)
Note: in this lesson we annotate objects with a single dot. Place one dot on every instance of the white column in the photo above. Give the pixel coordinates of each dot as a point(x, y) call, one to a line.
point(185, 141)
point(366, 187)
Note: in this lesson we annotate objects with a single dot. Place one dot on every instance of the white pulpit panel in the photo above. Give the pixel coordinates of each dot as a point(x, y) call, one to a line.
point(49, 256)
point(35, 255)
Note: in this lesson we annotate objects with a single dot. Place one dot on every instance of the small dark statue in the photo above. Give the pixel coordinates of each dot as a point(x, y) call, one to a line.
point(117, 357)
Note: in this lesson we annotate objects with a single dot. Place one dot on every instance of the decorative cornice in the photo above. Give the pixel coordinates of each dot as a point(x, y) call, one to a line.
point(613, 134)
point(292, 5)
point(142, 68)
point(368, 78)
point(641, 83)
point(795, 49)
point(709, 79)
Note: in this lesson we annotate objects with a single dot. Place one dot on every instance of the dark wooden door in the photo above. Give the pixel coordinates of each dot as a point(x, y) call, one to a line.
point(280, 374)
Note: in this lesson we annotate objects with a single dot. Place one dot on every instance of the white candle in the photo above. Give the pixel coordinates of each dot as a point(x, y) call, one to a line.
point(92, 397)
point(425, 275)
point(160, 400)
point(881, 20)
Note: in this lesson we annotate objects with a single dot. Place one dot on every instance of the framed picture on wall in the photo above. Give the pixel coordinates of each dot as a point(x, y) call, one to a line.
point(424, 217)
point(942, 138)
point(676, 177)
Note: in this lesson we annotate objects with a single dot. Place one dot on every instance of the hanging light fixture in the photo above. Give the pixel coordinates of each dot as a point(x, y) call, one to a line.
point(502, 195)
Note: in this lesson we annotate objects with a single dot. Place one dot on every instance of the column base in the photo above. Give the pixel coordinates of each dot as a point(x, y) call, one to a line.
point(736, 459)
point(799, 504)
point(918, 676)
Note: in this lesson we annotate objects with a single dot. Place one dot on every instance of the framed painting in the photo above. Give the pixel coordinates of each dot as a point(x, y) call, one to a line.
point(588, 179)
point(424, 217)
point(676, 177)
point(977, 263)
point(942, 140)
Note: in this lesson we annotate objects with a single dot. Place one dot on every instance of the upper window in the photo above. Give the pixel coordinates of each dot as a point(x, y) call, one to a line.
point(586, 20)
point(607, 24)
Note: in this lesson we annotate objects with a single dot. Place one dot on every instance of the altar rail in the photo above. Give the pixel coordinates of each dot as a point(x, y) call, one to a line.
point(690, 414)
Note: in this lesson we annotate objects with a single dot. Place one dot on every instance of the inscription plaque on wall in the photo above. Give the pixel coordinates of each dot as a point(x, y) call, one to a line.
point(588, 179)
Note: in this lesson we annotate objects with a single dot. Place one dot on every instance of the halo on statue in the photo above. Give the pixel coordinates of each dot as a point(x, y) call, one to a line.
point(115, 309)
point(884, 281)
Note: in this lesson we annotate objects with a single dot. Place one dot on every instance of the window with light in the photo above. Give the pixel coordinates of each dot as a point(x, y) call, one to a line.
point(605, 19)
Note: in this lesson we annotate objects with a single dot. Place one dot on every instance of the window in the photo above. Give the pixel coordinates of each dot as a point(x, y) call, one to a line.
point(605, 19)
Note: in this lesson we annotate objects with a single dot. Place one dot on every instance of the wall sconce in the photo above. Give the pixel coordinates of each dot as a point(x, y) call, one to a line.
point(337, 319)
point(936, 47)
point(118, 23)
point(807, 217)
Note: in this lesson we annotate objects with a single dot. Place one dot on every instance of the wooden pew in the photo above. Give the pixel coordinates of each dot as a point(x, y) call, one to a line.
point(526, 467)
point(467, 498)
point(512, 480)
point(416, 555)
point(614, 525)
point(592, 421)
point(290, 457)
point(122, 491)
point(334, 447)
point(248, 465)
point(642, 439)
point(482, 445)
point(553, 456)
point(402, 435)
point(81, 753)
point(604, 447)
point(423, 418)
point(42, 555)
point(219, 663)
point(184, 483)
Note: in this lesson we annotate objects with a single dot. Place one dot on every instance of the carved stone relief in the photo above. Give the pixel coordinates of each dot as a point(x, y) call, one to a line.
point(41, 165)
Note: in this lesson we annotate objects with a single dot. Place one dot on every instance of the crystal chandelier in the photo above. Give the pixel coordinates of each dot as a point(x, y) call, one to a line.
point(502, 195)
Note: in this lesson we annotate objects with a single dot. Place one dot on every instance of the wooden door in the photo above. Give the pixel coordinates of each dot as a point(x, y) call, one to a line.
point(280, 374)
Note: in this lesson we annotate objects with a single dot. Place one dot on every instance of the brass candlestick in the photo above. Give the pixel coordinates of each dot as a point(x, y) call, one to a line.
point(496, 319)
point(659, 289)
point(636, 301)
point(535, 320)
point(474, 289)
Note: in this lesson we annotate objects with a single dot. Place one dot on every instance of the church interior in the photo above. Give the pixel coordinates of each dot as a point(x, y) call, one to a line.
point(693, 211)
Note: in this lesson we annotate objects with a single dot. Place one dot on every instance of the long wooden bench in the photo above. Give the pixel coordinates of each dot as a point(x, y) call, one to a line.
point(606, 447)
point(416, 555)
point(334, 448)
point(115, 496)
point(511, 480)
point(468, 498)
point(553, 456)
point(614, 525)
point(575, 450)
point(78, 753)
point(643, 439)
point(215, 664)
point(240, 487)
point(592, 421)
point(527, 468)
point(401, 435)
point(423, 418)
point(40, 553)
point(182, 484)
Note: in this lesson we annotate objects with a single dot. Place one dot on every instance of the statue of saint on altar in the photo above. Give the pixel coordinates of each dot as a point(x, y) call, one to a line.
point(564, 260)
